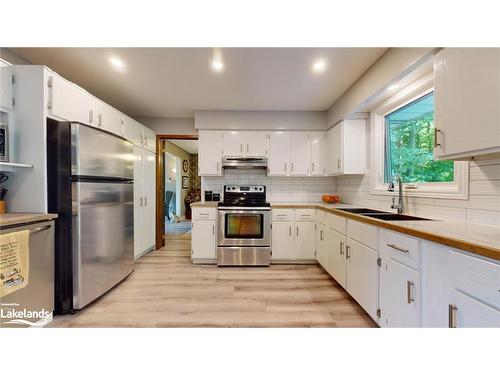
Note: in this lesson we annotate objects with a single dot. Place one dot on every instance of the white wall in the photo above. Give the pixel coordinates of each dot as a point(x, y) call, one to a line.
point(392, 66)
point(264, 120)
point(169, 125)
point(279, 189)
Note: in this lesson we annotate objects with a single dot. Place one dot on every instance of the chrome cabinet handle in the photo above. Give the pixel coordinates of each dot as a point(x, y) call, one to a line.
point(99, 120)
point(347, 252)
point(145, 201)
point(395, 247)
point(217, 166)
point(203, 214)
point(436, 144)
point(213, 230)
point(452, 316)
point(285, 166)
point(91, 116)
point(321, 235)
point(145, 140)
point(39, 229)
point(140, 199)
point(409, 291)
point(290, 231)
point(241, 147)
point(338, 163)
point(297, 231)
point(313, 166)
point(292, 167)
point(341, 248)
point(247, 147)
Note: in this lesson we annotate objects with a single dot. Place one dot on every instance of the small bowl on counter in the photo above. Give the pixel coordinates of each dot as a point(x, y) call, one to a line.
point(330, 198)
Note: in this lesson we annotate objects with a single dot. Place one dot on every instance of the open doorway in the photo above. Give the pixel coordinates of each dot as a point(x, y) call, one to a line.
point(180, 186)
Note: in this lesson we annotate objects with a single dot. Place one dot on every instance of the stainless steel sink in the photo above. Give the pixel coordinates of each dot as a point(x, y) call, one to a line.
point(361, 210)
point(393, 217)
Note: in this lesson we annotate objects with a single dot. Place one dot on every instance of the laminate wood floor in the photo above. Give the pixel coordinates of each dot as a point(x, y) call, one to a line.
point(167, 290)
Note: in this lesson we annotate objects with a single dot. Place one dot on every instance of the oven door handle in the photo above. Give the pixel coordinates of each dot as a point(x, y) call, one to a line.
point(244, 209)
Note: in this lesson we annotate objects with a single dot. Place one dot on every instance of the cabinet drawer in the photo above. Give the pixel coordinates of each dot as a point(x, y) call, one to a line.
point(476, 277)
point(282, 215)
point(468, 312)
point(204, 213)
point(305, 214)
point(336, 222)
point(404, 249)
point(321, 216)
point(363, 233)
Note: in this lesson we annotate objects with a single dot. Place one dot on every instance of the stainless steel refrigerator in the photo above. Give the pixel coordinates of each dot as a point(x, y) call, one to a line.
point(90, 186)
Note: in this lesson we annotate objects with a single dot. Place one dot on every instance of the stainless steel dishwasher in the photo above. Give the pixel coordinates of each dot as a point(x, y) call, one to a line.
point(38, 295)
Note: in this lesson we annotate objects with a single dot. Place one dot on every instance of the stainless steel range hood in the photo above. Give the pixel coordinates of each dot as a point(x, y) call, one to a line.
point(244, 163)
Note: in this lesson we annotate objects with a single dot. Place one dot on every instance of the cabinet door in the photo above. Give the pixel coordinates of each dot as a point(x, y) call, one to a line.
point(148, 139)
point(209, 152)
point(5, 86)
point(321, 250)
point(335, 256)
point(69, 102)
point(299, 155)
point(203, 240)
point(133, 131)
point(318, 153)
point(108, 118)
point(400, 297)
point(138, 203)
point(279, 147)
point(363, 276)
point(256, 143)
point(335, 149)
point(149, 188)
point(304, 240)
point(282, 240)
point(467, 92)
point(233, 143)
point(467, 312)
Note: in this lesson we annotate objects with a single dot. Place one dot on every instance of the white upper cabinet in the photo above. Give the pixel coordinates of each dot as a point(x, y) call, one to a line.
point(347, 148)
point(299, 155)
point(467, 102)
point(69, 102)
point(256, 144)
point(209, 152)
point(5, 86)
point(244, 143)
point(233, 143)
point(318, 160)
point(148, 139)
point(108, 118)
point(133, 131)
point(279, 149)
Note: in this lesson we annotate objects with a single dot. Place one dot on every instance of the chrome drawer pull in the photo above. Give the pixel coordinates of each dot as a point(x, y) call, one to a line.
point(452, 316)
point(409, 291)
point(347, 252)
point(391, 245)
point(341, 248)
point(39, 229)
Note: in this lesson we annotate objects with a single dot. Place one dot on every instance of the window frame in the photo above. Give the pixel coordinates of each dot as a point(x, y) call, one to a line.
point(458, 189)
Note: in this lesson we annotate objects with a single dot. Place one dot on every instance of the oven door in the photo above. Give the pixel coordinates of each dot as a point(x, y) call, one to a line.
point(244, 227)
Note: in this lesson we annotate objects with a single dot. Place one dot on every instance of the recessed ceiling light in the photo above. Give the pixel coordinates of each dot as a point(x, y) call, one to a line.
point(117, 63)
point(319, 66)
point(393, 87)
point(217, 66)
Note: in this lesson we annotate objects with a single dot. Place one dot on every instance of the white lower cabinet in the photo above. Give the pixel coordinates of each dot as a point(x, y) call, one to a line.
point(203, 245)
point(467, 312)
point(363, 276)
point(293, 238)
point(335, 263)
point(321, 244)
point(144, 201)
point(400, 301)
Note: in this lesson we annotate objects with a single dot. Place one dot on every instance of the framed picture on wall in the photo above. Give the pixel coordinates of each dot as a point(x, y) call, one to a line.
point(185, 166)
point(185, 182)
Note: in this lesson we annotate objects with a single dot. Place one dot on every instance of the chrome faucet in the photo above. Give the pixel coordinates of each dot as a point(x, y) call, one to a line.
point(400, 206)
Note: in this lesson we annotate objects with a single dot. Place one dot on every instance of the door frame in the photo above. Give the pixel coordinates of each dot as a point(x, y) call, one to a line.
point(160, 184)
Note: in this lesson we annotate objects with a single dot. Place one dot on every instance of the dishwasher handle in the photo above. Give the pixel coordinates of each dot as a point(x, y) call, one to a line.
point(39, 229)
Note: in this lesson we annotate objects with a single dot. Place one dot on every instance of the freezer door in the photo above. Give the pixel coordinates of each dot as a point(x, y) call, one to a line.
point(96, 153)
point(103, 238)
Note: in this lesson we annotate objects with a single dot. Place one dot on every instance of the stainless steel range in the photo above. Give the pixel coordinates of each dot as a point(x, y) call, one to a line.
point(244, 234)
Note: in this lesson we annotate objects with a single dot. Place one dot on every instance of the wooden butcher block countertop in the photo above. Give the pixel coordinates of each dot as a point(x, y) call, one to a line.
point(14, 218)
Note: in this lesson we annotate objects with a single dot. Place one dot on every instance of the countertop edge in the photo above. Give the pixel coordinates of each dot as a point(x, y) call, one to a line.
point(23, 218)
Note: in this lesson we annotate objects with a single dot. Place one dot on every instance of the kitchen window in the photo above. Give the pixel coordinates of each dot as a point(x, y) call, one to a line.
point(402, 139)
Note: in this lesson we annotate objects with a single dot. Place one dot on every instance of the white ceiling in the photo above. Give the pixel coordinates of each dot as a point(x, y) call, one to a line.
point(188, 145)
point(173, 82)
